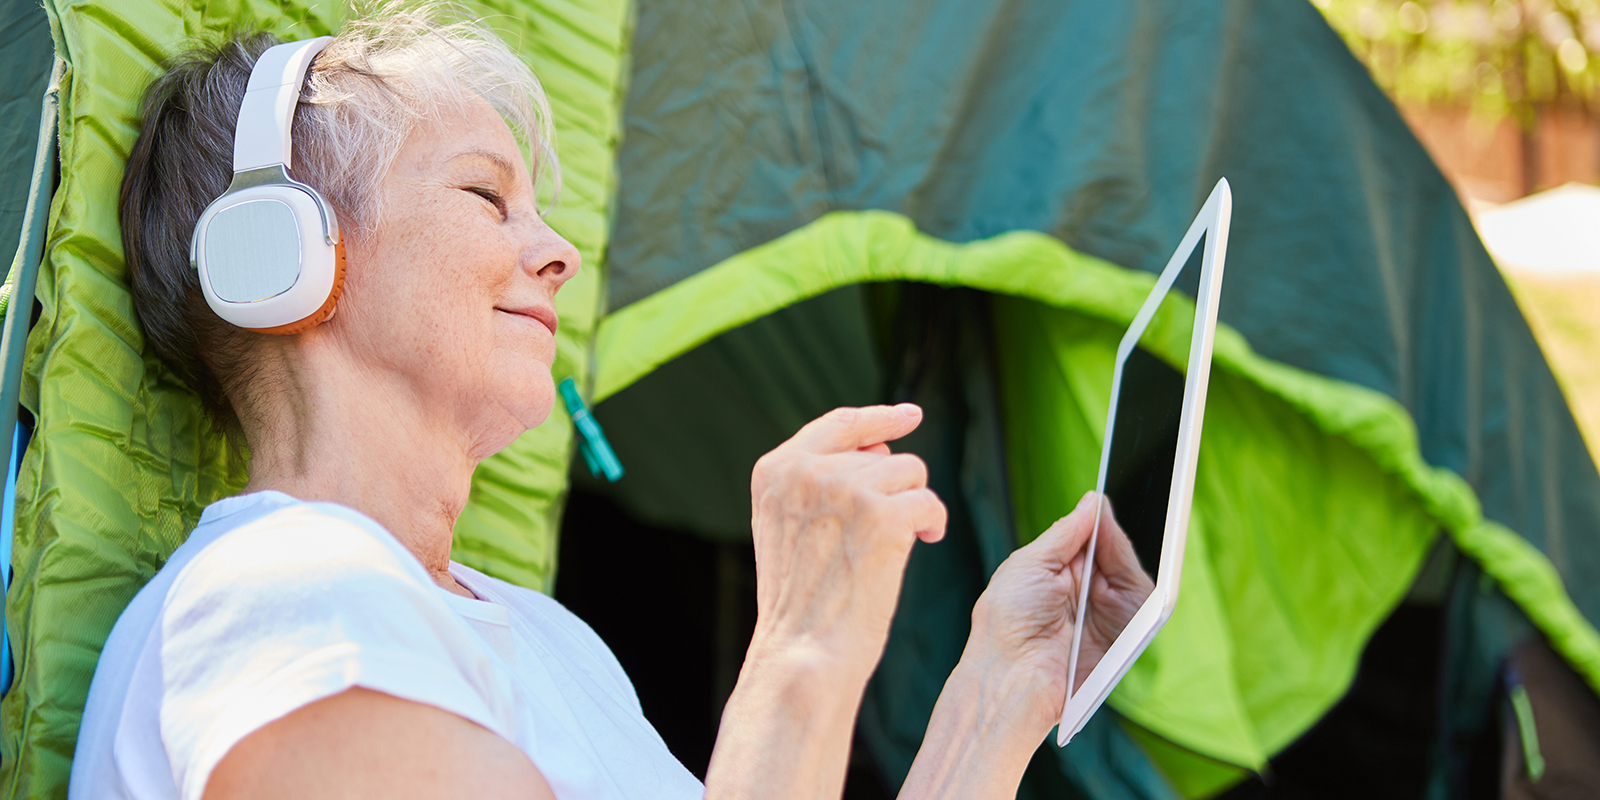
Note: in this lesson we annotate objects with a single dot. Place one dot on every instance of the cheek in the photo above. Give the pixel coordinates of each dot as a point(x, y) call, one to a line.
point(420, 282)
point(398, 306)
point(424, 296)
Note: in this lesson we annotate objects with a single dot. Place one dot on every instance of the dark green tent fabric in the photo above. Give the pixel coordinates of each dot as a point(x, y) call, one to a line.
point(1313, 507)
point(1104, 125)
point(25, 56)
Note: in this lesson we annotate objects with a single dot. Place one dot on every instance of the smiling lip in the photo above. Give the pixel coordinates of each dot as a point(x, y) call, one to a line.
point(544, 315)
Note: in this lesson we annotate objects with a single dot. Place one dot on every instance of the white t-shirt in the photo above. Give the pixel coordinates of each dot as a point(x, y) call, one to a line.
point(273, 603)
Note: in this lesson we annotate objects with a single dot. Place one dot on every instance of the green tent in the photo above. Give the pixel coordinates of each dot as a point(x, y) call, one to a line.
point(789, 206)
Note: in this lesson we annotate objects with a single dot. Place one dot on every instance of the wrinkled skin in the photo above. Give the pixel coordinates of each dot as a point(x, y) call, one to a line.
point(1030, 606)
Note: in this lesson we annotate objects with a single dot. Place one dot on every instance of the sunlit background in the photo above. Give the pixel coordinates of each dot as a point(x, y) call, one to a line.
point(1506, 96)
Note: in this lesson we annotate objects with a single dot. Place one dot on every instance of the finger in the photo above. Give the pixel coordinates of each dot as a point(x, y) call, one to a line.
point(845, 429)
point(879, 449)
point(922, 511)
point(897, 473)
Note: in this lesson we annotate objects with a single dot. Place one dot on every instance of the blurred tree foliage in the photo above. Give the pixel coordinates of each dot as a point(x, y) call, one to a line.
point(1501, 57)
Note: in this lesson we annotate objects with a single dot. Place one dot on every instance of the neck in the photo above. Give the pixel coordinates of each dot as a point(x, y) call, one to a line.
point(370, 447)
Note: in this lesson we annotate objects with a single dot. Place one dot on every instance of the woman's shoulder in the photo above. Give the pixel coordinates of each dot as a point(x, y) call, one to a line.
point(285, 544)
point(299, 572)
point(262, 549)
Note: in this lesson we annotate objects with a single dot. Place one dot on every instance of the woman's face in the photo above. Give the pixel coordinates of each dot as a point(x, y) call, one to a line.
point(450, 300)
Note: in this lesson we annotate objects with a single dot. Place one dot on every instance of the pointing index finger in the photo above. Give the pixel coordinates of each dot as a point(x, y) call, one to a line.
point(845, 429)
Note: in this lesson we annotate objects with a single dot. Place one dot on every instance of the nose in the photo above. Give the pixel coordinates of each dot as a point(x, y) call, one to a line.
point(550, 257)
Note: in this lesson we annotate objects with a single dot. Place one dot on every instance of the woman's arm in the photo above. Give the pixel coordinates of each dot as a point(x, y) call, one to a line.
point(984, 729)
point(786, 728)
point(361, 743)
point(834, 516)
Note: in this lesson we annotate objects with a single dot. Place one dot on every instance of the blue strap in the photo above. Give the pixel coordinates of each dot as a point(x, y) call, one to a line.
point(7, 531)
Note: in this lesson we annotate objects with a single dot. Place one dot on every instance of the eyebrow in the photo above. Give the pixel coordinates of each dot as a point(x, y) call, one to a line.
point(501, 165)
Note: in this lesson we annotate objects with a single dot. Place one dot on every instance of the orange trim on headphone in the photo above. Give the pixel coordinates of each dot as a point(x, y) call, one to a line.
point(316, 317)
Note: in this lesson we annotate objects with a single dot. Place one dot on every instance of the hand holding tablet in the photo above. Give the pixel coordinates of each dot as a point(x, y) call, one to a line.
point(1025, 617)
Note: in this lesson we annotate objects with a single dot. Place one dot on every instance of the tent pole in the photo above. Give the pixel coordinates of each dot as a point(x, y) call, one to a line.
point(24, 272)
point(18, 302)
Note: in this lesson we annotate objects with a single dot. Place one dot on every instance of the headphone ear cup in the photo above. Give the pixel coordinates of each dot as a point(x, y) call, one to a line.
point(264, 259)
point(321, 314)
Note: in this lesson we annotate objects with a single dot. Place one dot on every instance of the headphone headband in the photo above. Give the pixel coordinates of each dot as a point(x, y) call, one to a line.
point(268, 250)
point(262, 137)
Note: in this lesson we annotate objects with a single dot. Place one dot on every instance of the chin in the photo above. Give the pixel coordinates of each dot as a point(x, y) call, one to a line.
point(516, 423)
point(523, 404)
point(534, 404)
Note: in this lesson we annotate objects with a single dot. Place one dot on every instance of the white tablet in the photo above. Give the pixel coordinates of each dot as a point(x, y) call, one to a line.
point(1151, 448)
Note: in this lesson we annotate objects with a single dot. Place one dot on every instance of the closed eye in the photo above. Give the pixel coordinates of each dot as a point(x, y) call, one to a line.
point(491, 198)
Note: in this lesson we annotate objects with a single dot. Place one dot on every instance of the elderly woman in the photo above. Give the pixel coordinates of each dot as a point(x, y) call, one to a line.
point(312, 637)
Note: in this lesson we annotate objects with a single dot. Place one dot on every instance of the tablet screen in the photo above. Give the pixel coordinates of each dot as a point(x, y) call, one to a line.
point(1144, 438)
point(1144, 433)
point(1126, 599)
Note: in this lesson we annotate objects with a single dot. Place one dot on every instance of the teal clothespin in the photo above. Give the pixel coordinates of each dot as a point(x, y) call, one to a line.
point(597, 452)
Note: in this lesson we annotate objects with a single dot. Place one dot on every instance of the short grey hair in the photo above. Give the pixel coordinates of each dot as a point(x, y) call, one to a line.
point(388, 69)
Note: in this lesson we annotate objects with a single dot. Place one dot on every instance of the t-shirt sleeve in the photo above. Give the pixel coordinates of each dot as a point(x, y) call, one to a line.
point(296, 607)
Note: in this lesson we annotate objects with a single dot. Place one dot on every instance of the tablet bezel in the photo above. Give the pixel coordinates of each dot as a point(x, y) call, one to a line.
point(1212, 222)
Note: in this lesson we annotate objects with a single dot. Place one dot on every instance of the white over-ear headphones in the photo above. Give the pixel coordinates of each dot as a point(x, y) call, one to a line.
point(268, 250)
